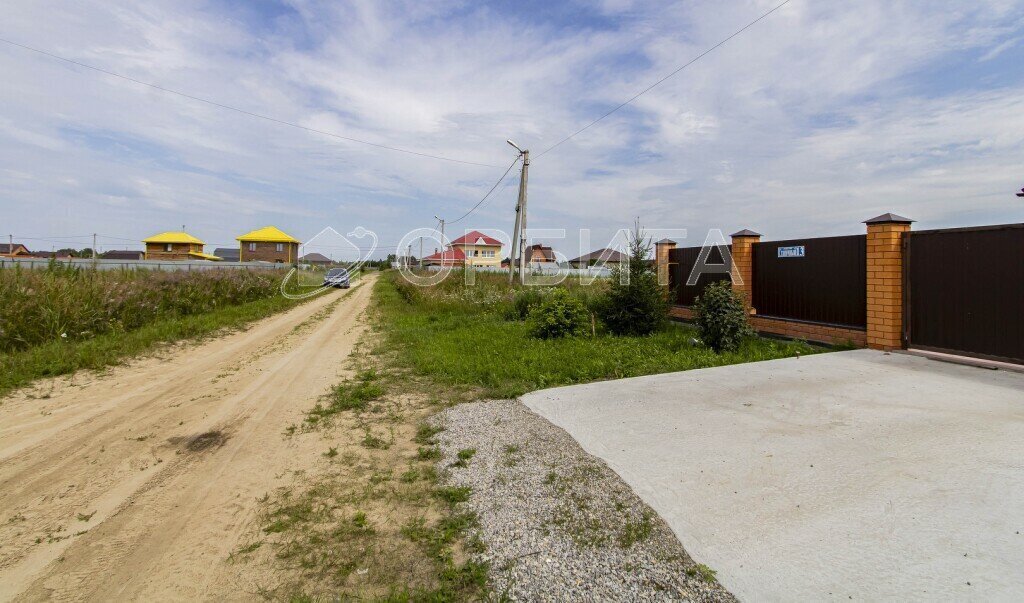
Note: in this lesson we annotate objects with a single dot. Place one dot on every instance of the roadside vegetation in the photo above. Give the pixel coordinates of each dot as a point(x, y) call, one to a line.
point(721, 318)
point(372, 521)
point(62, 319)
point(378, 520)
point(483, 337)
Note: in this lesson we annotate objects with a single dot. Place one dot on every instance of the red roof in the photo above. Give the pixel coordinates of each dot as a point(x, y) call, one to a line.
point(472, 238)
point(448, 256)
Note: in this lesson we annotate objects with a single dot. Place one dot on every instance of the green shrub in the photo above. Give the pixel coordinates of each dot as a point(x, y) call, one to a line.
point(721, 317)
point(523, 302)
point(560, 315)
point(639, 306)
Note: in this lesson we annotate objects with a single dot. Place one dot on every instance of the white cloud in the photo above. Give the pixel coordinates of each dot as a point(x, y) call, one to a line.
point(806, 124)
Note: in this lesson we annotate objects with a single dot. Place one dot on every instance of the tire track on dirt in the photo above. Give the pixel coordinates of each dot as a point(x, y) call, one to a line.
point(165, 509)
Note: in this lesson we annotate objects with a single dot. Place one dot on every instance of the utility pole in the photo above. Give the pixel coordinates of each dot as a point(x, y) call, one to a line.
point(441, 221)
point(522, 220)
point(407, 254)
point(512, 257)
point(421, 252)
point(519, 237)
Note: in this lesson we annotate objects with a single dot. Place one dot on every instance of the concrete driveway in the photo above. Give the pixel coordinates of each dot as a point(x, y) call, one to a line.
point(854, 474)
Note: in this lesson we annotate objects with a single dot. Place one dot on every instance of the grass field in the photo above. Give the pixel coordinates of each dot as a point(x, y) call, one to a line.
point(60, 320)
point(467, 338)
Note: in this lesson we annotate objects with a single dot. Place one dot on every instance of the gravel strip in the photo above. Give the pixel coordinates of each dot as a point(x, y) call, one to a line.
point(557, 523)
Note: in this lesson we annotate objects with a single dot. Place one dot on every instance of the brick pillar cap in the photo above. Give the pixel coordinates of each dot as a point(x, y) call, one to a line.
point(666, 242)
point(889, 218)
point(746, 232)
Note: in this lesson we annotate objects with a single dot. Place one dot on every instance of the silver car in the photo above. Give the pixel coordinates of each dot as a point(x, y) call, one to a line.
point(337, 277)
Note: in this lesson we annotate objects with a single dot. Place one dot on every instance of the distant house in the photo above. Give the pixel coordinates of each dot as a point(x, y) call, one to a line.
point(448, 257)
point(122, 254)
point(268, 244)
point(50, 255)
point(473, 249)
point(176, 246)
point(540, 254)
point(316, 259)
point(9, 250)
point(610, 257)
point(228, 254)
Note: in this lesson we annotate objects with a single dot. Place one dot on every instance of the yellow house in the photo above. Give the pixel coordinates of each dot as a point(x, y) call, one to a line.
point(476, 249)
point(176, 246)
point(268, 244)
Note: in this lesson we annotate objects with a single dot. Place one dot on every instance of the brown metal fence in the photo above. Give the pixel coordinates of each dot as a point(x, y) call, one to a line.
point(681, 262)
point(822, 280)
point(964, 291)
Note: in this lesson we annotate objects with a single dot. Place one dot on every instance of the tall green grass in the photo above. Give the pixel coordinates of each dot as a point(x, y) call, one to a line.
point(62, 319)
point(76, 304)
point(18, 369)
point(469, 338)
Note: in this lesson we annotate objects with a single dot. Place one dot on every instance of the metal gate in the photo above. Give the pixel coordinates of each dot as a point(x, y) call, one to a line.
point(964, 291)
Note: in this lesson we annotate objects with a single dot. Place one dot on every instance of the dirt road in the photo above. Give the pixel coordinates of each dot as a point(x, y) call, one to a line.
point(138, 484)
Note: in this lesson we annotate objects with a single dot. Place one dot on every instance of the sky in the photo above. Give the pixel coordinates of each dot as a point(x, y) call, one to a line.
point(820, 116)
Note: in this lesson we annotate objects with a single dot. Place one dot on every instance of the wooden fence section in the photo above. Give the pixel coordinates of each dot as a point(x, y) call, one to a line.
point(821, 280)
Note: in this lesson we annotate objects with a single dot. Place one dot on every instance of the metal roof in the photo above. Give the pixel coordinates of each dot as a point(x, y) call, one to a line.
point(204, 256)
point(603, 255)
point(173, 237)
point(229, 254)
point(889, 218)
point(316, 257)
point(471, 238)
point(268, 234)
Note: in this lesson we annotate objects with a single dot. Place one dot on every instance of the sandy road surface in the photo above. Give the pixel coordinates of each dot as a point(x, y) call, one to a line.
point(138, 484)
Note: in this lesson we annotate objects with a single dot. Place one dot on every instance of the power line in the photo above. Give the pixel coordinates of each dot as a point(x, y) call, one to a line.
point(242, 111)
point(652, 86)
point(506, 187)
point(474, 208)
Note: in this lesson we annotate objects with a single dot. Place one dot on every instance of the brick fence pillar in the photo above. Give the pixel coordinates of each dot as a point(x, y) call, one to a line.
point(885, 281)
point(743, 263)
point(661, 257)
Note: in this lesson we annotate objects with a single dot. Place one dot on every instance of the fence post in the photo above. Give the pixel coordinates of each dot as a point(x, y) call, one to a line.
point(885, 281)
point(661, 258)
point(743, 264)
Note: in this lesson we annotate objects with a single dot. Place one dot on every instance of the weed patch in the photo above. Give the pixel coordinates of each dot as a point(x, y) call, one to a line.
point(351, 395)
point(463, 457)
point(453, 494)
point(431, 330)
point(701, 571)
point(635, 530)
